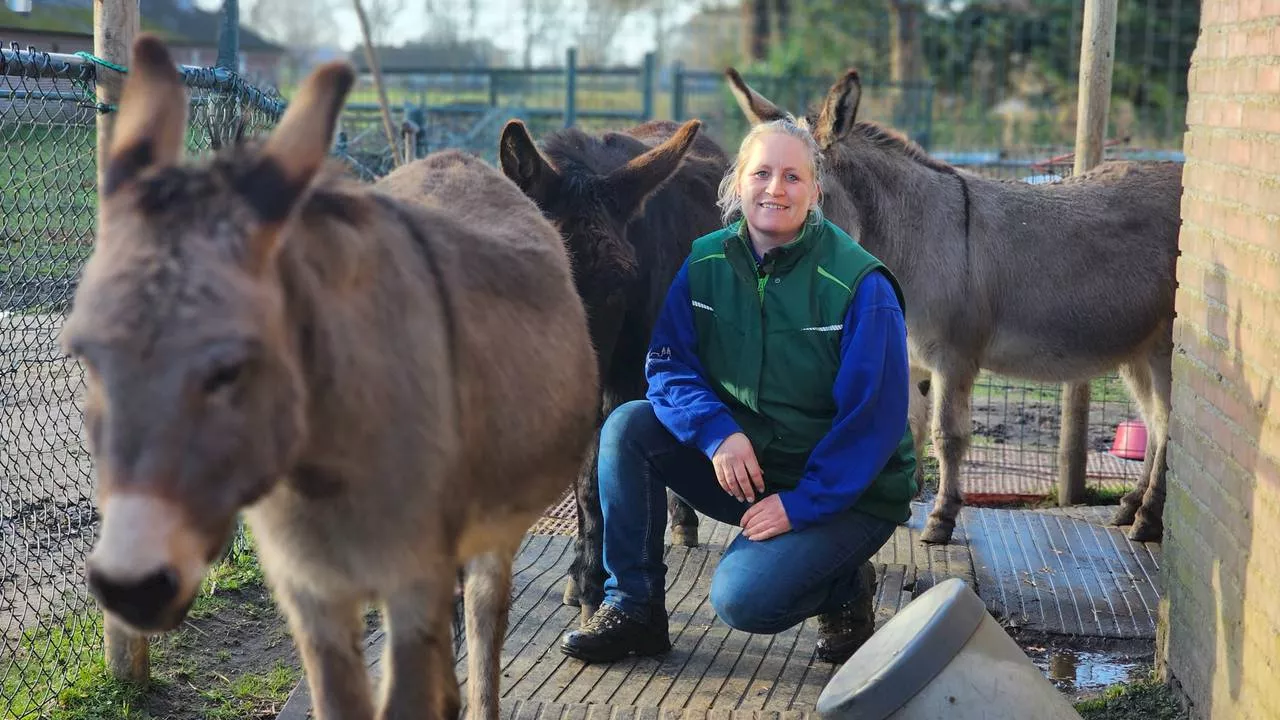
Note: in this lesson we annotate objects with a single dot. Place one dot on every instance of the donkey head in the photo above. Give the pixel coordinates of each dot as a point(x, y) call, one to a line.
point(592, 209)
point(834, 120)
point(833, 127)
point(194, 402)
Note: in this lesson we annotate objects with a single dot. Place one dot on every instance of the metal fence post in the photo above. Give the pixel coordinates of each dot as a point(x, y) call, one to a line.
point(570, 87)
point(646, 109)
point(229, 36)
point(677, 91)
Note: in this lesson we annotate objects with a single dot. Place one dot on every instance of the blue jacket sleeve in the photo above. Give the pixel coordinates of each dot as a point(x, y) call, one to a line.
point(682, 398)
point(871, 394)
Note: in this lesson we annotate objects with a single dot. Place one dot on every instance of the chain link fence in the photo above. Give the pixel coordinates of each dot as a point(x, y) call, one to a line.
point(48, 198)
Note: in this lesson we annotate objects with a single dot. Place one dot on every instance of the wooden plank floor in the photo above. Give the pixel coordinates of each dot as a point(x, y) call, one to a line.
point(1065, 571)
point(711, 669)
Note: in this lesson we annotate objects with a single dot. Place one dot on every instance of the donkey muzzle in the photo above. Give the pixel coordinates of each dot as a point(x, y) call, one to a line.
point(146, 603)
point(148, 562)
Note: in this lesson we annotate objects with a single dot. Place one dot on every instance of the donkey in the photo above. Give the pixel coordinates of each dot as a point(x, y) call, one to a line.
point(390, 381)
point(1054, 283)
point(629, 206)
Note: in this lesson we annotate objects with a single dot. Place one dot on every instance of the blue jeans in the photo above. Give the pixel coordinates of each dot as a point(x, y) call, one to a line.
point(759, 587)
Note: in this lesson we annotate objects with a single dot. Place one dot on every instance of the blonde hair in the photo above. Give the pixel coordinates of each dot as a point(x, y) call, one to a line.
point(730, 200)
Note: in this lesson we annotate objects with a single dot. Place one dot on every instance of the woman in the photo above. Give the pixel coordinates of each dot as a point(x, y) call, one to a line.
point(777, 401)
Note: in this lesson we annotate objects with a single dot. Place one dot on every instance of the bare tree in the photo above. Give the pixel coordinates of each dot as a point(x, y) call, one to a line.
point(540, 16)
point(382, 16)
point(755, 30)
point(601, 21)
point(301, 26)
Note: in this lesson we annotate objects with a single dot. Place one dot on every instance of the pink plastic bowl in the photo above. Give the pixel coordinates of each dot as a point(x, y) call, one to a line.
point(1131, 440)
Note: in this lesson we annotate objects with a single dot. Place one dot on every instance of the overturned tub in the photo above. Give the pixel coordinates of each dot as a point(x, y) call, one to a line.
point(942, 656)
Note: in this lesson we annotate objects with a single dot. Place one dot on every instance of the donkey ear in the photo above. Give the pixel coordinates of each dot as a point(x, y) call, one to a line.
point(152, 119)
point(298, 147)
point(632, 183)
point(754, 105)
point(524, 165)
point(839, 110)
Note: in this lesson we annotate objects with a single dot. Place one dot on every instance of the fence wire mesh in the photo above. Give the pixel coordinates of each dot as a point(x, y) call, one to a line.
point(48, 199)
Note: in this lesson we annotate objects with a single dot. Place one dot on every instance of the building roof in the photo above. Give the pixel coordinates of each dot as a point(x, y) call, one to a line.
point(176, 21)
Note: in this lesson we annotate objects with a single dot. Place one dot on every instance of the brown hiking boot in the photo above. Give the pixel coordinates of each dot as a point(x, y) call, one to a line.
point(842, 632)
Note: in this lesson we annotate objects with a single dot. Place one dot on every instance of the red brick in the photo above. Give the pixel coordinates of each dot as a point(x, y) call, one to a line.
point(1258, 43)
point(1267, 80)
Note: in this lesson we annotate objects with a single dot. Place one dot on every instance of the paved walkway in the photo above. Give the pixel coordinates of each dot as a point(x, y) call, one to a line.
point(1058, 571)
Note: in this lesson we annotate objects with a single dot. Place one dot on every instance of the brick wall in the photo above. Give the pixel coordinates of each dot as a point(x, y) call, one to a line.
point(1219, 638)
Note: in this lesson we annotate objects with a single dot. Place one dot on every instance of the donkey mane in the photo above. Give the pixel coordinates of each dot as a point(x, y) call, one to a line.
point(894, 141)
point(891, 139)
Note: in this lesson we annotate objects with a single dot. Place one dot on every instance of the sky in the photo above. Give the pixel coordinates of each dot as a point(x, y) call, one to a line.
point(499, 21)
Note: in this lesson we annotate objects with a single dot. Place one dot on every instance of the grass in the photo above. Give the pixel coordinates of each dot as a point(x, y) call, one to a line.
point(232, 658)
point(48, 199)
point(1143, 700)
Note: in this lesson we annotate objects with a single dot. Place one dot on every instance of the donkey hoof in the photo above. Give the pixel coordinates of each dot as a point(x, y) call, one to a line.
point(686, 536)
point(937, 532)
point(570, 593)
point(1144, 530)
point(1124, 514)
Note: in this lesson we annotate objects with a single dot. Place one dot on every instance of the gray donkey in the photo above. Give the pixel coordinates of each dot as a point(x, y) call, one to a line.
point(389, 381)
point(1054, 283)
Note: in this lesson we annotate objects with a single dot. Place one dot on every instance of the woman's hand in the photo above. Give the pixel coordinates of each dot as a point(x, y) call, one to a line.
point(766, 519)
point(736, 468)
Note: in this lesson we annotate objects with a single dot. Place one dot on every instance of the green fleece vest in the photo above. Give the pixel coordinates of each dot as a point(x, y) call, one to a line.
point(769, 341)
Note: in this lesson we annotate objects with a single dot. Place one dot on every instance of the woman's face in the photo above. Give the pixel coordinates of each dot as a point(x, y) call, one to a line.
point(777, 186)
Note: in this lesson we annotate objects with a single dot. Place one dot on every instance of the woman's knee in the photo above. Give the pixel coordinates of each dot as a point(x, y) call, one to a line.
point(745, 607)
point(629, 421)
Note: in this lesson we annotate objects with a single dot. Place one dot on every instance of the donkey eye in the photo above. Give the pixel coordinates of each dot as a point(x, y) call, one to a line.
point(223, 377)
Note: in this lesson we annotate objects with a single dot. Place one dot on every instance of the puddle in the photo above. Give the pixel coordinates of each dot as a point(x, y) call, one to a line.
point(1082, 672)
point(1076, 670)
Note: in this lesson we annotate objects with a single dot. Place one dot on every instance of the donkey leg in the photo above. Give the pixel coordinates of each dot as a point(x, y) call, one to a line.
point(418, 639)
point(684, 521)
point(329, 634)
point(951, 429)
point(488, 606)
point(587, 569)
point(1137, 377)
point(1148, 524)
point(918, 419)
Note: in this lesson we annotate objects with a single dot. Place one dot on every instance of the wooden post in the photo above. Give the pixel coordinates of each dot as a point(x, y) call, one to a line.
point(371, 59)
point(115, 24)
point(1097, 54)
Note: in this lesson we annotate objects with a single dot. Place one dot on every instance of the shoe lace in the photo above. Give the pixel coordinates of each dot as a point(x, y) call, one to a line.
point(606, 618)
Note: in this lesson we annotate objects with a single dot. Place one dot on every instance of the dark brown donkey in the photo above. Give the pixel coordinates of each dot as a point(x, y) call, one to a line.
point(628, 205)
point(389, 381)
point(1055, 283)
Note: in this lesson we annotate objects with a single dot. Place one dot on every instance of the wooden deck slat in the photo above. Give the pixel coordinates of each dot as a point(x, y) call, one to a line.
point(1064, 571)
point(1057, 568)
